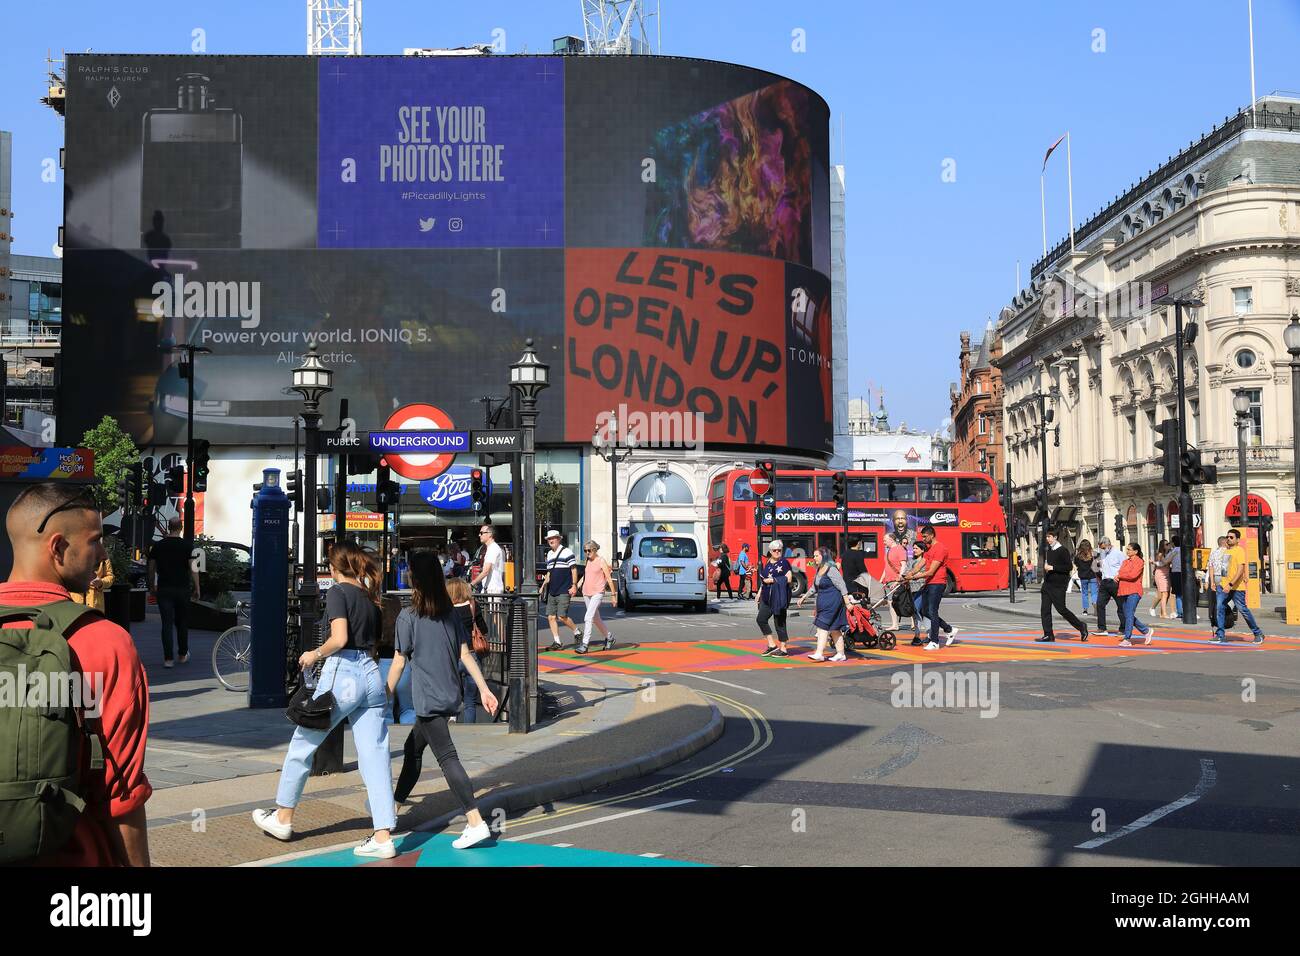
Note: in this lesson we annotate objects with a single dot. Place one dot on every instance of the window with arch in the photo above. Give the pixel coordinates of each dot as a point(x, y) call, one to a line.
point(661, 488)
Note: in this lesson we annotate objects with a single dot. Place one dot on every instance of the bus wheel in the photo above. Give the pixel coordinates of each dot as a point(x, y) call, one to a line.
point(950, 586)
point(798, 584)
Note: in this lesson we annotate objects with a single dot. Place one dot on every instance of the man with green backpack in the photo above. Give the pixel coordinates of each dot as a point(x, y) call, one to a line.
point(74, 702)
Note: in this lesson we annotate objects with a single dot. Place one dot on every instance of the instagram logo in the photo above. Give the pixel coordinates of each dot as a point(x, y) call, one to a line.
point(455, 224)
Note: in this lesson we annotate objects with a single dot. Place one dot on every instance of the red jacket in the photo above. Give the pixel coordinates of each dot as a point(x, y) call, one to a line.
point(1130, 576)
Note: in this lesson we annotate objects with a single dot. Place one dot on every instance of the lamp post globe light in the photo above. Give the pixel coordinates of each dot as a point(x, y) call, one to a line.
point(312, 380)
point(1291, 337)
point(528, 377)
point(608, 448)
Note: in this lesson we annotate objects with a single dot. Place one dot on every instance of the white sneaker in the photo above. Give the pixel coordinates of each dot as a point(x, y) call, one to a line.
point(951, 631)
point(380, 851)
point(932, 646)
point(472, 835)
point(839, 657)
point(949, 641)
point(184, 658)
point(268, 821)
point(814, 657)
point(168, 664)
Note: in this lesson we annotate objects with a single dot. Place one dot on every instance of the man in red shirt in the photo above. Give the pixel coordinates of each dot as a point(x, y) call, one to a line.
point(935, 575)
point(57, 540)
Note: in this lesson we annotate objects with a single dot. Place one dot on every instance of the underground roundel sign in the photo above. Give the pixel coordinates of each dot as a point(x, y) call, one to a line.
point(419, 417)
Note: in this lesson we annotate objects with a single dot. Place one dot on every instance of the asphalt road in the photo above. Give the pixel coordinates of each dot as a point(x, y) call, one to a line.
point(1138, 759)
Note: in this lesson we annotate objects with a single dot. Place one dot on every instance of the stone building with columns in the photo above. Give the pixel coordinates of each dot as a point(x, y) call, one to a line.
point(1094, 333)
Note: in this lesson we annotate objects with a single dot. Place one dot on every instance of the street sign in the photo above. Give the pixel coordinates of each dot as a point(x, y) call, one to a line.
point(758, 482)
point(499, 441)
point(408, 442)
point(1173, 521)
point(769, 501)
point(418, 459)
point(336, 441)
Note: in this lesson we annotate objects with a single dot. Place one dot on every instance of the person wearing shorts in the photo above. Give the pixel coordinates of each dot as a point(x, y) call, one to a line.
point(558, 587)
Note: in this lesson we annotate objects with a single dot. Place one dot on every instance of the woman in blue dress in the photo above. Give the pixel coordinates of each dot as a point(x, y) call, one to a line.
point(773, 599)
point(831, 614)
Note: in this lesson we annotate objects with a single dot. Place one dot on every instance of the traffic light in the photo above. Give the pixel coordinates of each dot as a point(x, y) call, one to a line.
point(387, 491)
point(176, 480)
point(768, 468)
point(1040, 503)
point(202, 452)
point(478, 489)
point(1265, 523)
point(128, 489)
point(1119, 529)
point(840, 489)
point(293, 487)
point(362, 463)
point(1195, 472)
point(1167, 447)
point(322, 498)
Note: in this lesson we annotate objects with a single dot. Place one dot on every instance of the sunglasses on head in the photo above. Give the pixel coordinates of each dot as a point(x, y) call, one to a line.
point(84, 499)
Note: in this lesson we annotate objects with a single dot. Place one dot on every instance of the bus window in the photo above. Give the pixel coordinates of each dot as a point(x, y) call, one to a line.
point(718, 490)
point(797, 545)
point(975, 489)
point(937, 489)
point(862, 489)
point(740, 490)
point(897, 489)
point(715, 530)
point(824, 492)
point(984, 546)
point(794, 489)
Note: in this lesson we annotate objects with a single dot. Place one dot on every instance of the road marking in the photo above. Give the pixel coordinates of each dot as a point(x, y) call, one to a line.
point(761, 740)
point(606, 819)
point(1209, 777)
point(652, 856)
point(562, 846)
point(714, 680)
point(1138, 719)
point(1287, 680)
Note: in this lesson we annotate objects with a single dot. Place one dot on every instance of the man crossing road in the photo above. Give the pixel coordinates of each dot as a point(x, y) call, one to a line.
point(1056, 579)
point(1111, 558)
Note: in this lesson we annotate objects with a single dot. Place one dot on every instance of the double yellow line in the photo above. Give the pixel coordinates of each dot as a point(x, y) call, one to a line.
point(762, 739)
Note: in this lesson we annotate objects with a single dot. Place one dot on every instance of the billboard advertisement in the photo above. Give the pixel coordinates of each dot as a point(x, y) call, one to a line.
point(659, 227)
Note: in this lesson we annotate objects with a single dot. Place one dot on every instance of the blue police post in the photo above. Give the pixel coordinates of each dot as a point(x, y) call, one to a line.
point(270, 592)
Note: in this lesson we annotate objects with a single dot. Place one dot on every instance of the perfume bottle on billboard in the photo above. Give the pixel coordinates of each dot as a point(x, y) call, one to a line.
point(192, 179)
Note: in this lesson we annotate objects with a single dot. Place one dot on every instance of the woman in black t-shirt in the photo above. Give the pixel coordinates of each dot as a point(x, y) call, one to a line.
point(351, 673)
point(431, 634)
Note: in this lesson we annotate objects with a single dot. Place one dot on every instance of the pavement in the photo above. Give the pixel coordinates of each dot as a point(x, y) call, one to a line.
point(212, 760)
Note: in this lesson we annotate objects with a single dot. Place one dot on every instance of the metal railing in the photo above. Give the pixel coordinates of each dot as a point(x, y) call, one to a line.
point(1262, 455)
point(1247, 118)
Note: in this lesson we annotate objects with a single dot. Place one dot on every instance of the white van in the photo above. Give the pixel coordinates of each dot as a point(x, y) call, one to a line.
point(663, 566)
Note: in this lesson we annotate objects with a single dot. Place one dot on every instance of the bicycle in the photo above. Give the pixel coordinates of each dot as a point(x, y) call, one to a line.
point(232, 652)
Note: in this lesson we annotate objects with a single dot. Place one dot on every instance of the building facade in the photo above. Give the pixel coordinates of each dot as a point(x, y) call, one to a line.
point(1095, 332)
point(879, 447)
point(977, 406)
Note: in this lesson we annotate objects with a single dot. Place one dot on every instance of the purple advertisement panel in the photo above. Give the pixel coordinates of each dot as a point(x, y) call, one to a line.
point(441, 152)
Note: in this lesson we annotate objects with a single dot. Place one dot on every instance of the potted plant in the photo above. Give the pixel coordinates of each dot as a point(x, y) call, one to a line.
point(220, 572)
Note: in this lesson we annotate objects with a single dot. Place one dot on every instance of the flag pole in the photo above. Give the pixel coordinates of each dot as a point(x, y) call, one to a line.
point(1069, 166)
point(1250, 16)
point(1042, 197)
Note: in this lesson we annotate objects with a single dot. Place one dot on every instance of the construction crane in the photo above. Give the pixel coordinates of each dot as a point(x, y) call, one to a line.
point(334, 27)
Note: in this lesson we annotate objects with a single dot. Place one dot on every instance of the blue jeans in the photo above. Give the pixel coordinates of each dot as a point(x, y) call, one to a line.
point(354, 678)
point(918, 604)
point(469, 697)
point(933, 596)
point(1221, 601)
point(1131, 602)
point(1088, 588)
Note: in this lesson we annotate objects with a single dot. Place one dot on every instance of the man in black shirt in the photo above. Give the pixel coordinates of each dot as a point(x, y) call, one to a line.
point(1056, 579)
point(172, 581)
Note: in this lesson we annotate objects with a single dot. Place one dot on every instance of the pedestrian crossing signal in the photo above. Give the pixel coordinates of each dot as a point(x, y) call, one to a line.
point(1195, 472)
point(1167, 447)
point(293, 488)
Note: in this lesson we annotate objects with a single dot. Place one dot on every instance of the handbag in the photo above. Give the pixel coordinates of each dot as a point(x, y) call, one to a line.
point(312, 713)
point(478, 642)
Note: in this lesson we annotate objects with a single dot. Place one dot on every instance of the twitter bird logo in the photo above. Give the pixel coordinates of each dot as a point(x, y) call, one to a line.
point(426, 225)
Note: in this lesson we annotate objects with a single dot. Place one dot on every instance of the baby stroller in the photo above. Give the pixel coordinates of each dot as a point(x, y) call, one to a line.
point(865, 625)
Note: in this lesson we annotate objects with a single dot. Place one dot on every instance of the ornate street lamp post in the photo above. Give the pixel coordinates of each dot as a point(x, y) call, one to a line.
point(311, 380)
point(1241, 406)
point(528, 377)
point(1291, 336)
point(609, 449)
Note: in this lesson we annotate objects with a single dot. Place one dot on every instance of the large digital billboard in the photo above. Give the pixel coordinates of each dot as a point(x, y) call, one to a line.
point(659, 227)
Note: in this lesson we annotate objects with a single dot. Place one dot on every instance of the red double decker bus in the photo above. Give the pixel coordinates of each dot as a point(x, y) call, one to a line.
point(962, 507)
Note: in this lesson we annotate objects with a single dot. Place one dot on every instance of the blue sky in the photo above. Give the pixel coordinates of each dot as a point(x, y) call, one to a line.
point(989, 85)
